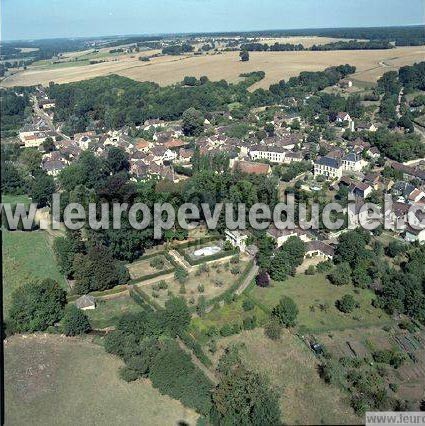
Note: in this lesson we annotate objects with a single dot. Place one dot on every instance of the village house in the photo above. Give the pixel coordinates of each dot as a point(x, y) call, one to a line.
point(175, 144)
point(319, 248)
point(270, 153)
point(46, 103)
point(85, 302)
point(53, 167)
point(280, 236)
point(357, 214)
point(373, 152)
point(152, 123)
point(36, 139)
point(331, 168)
point(417, 196)
point(345, 84)
point(84, 139)
point(414, 235)
point(343, 116)
point(408, 171)
point(353, 162)
point(293, 157)
point(142, 145)
point(358, 189)
point(366, 127)
point(185, 155)
point(237, 238)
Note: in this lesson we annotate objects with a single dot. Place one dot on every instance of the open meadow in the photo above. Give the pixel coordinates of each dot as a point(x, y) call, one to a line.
point(315, 297)
point(292, 370)
point(166, 70)
point(26, 256)
point(51, 379)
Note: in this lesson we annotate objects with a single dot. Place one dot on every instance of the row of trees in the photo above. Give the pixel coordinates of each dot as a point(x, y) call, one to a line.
point(338, 45)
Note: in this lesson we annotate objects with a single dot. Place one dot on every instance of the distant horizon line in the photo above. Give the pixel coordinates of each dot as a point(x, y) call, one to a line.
point(100, 37)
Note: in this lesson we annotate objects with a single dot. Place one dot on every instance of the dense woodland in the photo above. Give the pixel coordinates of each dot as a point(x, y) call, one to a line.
point(119, 101)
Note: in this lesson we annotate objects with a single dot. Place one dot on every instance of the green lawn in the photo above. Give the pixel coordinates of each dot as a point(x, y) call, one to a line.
point(108, 312)
point(312, 294)
point(14, 199)
point(54, 380)
point(26, 256)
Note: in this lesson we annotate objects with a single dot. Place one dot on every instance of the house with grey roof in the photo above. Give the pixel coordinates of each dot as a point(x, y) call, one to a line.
point(329, 167)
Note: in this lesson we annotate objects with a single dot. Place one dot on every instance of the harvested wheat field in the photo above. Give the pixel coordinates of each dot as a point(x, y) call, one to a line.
point(165, 70)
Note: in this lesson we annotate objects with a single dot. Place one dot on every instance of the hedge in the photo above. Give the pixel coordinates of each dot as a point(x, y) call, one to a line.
point(147, 299)
point(137, 297)
point(207, 258)
point(196, 242)
point(191, 343)
point(150, 276)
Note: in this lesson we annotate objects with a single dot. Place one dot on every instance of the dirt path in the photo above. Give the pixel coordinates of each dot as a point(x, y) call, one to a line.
point(247, 281)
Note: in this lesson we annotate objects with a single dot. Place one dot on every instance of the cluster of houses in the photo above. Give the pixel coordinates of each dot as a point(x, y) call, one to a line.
point(343, 163)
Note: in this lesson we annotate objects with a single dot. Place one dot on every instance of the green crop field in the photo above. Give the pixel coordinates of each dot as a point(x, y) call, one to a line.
point(52, 379)
point(316, 297)
point(26, 256)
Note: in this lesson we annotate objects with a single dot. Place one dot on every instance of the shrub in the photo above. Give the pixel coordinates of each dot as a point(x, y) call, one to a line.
point(273, 329)
point(157, 263)
point(386, 356)
point(162, 285)
point(311, 270)
point(201, 288)
point(325, 266)
point(128, 374)
point(180, 274)
point(341, 275)
point(262, 279)
point(235, 270)
point(202, 306)
point(75, 321)
point(286, 311)
point(393, 387)
point(218, 282)
point(395, 248)
point(249, 323)
point(346, 304)
point(248, 305)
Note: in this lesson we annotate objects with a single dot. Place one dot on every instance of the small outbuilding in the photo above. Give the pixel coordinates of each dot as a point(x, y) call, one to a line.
point(85, 302)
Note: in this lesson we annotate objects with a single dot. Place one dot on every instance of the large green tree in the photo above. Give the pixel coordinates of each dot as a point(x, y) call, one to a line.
point(37, 305)
point(286, 311)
